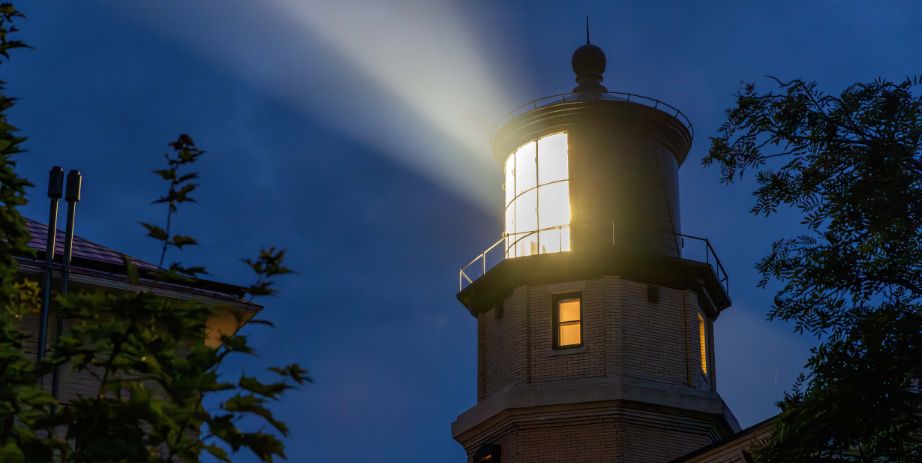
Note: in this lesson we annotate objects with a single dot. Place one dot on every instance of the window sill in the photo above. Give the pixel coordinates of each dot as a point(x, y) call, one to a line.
point(567, 351)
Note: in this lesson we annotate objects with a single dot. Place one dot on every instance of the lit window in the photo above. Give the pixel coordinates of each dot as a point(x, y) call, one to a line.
point(703, 344)
point(568, 321)
point(538, 197)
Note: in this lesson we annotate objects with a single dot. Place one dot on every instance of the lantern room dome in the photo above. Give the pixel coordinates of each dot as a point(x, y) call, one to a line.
point(589, 64)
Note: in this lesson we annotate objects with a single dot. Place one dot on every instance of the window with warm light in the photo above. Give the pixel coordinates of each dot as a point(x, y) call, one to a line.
point(568, 321)
point(703, 342)
point(538, 197)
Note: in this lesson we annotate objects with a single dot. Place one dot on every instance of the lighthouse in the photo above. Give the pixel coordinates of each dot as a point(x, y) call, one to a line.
point(594, 310)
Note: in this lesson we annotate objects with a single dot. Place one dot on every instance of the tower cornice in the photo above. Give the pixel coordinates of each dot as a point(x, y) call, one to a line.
point(673, 272)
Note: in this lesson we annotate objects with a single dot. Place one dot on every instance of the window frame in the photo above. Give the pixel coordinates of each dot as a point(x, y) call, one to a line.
point(555, 316)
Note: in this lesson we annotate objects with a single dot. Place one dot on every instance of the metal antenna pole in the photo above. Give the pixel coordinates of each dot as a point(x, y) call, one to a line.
point(587, 30)
point(55, 188)
point(74, 182)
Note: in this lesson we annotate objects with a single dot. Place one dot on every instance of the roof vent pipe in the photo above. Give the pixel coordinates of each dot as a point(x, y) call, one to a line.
point(55, 188)
point(72, 196)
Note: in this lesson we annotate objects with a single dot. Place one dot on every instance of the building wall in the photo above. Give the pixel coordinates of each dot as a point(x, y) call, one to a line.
point(504, 343)
point(624, 335)
point(600, 432)
point(73, 383)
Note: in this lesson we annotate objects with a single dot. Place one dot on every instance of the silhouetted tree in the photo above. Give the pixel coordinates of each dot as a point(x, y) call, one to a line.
point(21, 400)
point(852, 166)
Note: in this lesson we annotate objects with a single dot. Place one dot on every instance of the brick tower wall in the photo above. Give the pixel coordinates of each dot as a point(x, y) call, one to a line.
point(624, 335)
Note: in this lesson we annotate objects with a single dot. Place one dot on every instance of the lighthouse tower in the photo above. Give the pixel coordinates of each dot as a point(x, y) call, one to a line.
point(594, 311)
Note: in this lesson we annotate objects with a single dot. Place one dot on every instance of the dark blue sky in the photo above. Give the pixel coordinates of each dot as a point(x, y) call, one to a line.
point(354, 134)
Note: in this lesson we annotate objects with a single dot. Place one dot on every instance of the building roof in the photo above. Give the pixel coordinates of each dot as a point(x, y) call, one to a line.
point(738, 445)
point(104, 264)
point(85, 251)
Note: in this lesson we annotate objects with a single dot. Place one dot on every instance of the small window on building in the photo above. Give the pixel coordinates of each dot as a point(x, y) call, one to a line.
point(568, 318)
point(703, 341)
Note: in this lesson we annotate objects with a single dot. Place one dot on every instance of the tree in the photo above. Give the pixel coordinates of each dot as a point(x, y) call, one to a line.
point(155, 375)
point(21, 401)
point(852, 166)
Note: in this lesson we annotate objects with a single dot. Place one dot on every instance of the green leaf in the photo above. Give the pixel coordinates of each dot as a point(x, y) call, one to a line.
point(182, 240)
point(166, 174)
point(155, 232)
point(131, 270)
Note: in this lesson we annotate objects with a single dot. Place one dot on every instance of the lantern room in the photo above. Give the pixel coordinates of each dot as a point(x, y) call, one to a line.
point(587, 173)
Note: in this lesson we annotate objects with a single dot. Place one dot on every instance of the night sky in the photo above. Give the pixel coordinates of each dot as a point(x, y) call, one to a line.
point(355, 135)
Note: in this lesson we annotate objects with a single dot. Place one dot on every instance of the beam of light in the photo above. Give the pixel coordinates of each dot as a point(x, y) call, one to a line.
point(417, 80)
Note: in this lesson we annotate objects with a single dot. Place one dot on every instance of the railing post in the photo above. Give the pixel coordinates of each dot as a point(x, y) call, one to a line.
point(483, 260)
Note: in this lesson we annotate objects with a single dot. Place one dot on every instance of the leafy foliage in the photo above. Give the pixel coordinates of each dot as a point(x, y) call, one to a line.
point(25, 298)
point(154, 375)
point(185, 153)
point(269, 264)
point(852, 166)
point(21, 401)
point(154, 371)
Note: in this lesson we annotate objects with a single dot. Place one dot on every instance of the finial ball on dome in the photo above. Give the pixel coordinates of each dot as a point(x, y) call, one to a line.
point(589, 65)
point(588, 59)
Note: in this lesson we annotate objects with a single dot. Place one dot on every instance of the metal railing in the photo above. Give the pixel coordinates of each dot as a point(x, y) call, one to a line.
point(490, 257)
point(659, 105)
point(482, 258)
point(710, 257)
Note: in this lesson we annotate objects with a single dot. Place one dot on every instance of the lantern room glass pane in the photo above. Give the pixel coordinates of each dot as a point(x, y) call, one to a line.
point(526, 173)
point(552, 158)
point(526, 244)
point(554, 240)
point(537, 197)
point(554, 205)
point(526, 217)
point(526, 224)
point(510, 219)
point(509, 186)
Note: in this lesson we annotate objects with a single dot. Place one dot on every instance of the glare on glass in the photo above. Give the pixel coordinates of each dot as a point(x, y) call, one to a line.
point(552, 158)
point(554, 205)
point(537, 194)
point(526, 222)
point(510, 179)
point(554, 240)
point(526, 171)
point(510, 227)
point(526, 245)
point(551, 241)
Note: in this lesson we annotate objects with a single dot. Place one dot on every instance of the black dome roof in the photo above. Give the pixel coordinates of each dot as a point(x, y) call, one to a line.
point(589, 65)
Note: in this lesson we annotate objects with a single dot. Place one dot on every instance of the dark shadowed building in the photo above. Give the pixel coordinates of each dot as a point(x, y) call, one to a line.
point(595, 311)
point(94, 266)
